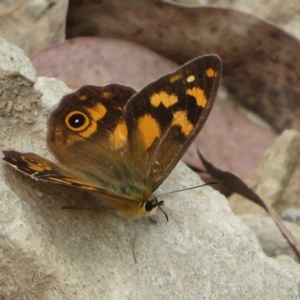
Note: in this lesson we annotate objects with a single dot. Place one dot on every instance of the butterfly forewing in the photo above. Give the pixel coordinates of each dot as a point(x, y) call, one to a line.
point(43, 169)
point(164, 118)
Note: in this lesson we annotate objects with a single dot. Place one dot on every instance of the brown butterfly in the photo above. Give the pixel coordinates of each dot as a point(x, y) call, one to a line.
point(122, 144)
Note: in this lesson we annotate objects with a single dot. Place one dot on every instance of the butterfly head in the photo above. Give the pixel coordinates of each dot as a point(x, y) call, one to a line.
point(150, 206)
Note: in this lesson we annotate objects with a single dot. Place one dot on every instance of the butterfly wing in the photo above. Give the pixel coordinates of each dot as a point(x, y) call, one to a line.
point(42, 169)
point(165, 117)
point(122, 144)
point(129, 142)
point(88, 132)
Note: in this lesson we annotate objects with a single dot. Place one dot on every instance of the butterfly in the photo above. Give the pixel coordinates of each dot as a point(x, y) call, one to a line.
point(122, 144)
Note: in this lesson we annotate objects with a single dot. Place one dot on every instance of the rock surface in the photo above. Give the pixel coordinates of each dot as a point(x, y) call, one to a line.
point(203, 252)
point(275, 180)
point(291, 215)
point(291, 266)
point(33, 24)
point(269, 236)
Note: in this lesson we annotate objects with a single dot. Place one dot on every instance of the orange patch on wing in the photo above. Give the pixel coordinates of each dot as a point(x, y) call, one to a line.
point(198, 94)
point(36, 166)
point(69, 181)
point(90, 130)
point(211, 73)
point(162, 97)
point(149, 129)
point(180, 118)
point(175, 78)
point(98, 112)
point(120, 135)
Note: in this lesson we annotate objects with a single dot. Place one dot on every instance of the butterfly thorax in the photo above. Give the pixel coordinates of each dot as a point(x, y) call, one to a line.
point(141, 204)
point(147, 207)
point(132, 196)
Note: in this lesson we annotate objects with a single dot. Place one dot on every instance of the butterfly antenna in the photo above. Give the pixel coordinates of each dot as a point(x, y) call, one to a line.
point(190, 188)
point(159, 206)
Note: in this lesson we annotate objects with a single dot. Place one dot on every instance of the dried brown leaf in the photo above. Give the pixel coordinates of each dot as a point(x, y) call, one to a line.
point(237, 185)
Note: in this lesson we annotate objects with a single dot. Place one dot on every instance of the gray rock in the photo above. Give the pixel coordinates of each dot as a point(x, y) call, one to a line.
point(290, 195)
point(273, 178)
point(53, 90)
point(22, 99)
point(33, 24)
point(203, 252)
point(17, 96)
point(291, 215)
point(269, 236)
point(291, 266)
point(279, 163)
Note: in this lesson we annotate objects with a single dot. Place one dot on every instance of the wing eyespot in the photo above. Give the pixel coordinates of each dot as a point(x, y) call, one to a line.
point(77, 121)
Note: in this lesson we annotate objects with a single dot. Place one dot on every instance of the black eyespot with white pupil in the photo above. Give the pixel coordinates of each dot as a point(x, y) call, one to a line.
point(77, 121)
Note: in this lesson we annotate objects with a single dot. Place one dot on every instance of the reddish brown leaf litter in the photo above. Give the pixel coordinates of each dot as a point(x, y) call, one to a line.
point(96, 61)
